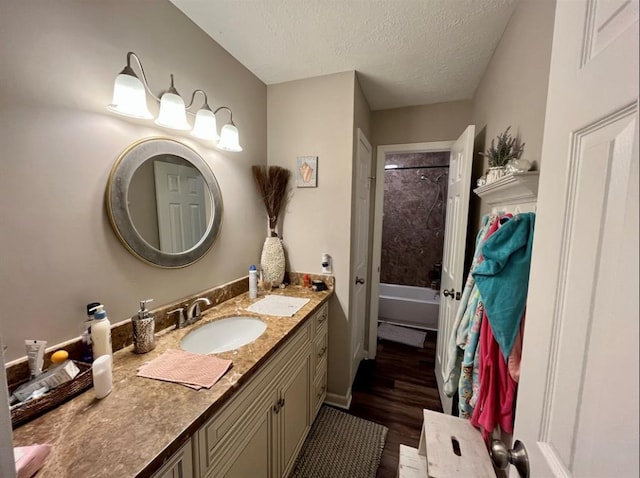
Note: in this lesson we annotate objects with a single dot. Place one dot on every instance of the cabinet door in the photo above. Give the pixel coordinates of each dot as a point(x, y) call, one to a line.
point(246, 449)
point(255, 459)
point(180, 465)
point(294, 414)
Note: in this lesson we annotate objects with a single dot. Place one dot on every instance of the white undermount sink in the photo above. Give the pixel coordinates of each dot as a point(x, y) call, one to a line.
point(223, 335)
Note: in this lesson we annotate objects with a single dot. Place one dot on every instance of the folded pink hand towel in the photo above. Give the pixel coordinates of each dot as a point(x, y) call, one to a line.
point(189, 369)
point(29, 459)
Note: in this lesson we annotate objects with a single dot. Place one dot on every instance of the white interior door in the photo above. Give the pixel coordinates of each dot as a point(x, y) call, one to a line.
point(180, 199)
point(577, 408)
point(455, 233)
point(361, 243)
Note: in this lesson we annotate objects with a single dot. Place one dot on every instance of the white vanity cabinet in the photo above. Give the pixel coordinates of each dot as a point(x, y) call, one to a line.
point(180, 465)
point(320, 352)
point(260, 431)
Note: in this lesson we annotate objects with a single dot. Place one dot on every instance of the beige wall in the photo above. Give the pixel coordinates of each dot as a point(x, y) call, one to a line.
point(315, 117)
point(418, 124)
point(513, 90)
point(361, 113)
point(58, 143)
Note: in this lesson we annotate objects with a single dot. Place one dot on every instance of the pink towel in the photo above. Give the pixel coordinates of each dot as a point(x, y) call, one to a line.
point(189, 369)
point(497, 388)
point(29, 459)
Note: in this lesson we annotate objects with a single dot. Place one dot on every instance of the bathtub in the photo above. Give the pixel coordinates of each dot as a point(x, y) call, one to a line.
point(409, 305)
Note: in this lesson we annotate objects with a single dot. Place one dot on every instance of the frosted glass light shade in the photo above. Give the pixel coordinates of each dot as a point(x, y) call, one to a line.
point(129, 97)
point(205, 126)
point(229, 138)
point(173, 114)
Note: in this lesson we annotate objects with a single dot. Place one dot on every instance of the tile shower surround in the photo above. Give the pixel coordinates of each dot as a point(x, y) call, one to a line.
point(409, 248)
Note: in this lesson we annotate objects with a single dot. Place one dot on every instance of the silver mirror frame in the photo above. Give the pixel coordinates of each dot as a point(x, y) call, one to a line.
point(117, 202)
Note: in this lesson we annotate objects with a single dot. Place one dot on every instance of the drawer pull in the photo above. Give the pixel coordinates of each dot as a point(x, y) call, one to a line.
point(279, 404)
point(322, 352)
point(322, 318)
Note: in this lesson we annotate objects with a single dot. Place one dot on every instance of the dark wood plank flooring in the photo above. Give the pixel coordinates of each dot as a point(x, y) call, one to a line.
point(393, 390)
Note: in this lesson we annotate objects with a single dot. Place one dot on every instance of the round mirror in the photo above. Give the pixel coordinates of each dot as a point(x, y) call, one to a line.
point(164, 202)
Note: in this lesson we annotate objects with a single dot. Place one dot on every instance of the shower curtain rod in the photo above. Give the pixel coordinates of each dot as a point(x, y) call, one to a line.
point(399, 168)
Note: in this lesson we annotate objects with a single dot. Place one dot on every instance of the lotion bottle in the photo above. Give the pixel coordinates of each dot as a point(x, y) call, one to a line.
point(253, 282)
point(101, 333)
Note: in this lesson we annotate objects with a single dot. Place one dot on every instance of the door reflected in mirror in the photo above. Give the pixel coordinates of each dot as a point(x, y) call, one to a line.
point(169, 203)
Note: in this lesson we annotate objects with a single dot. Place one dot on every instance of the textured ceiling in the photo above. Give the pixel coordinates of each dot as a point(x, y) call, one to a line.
point(407, 52)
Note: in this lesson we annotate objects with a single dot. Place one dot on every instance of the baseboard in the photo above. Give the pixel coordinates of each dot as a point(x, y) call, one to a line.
point(339, 401)
point(447, 402)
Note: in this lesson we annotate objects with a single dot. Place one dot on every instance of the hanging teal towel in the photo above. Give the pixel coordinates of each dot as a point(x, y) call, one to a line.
point(503, 277)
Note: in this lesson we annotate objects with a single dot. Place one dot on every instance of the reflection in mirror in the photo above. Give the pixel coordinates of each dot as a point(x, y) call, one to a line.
point(164, 202)
point(169, 203)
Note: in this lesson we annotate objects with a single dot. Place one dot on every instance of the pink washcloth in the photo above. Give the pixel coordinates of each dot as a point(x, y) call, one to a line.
point(29, 459)
point(189, 369)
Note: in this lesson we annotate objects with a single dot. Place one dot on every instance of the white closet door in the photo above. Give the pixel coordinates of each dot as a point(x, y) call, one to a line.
point(577, 408)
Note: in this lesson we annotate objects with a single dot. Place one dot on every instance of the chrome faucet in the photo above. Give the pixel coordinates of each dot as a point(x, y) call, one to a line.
point(182, 321)
point(191, 314)
point(193, 311)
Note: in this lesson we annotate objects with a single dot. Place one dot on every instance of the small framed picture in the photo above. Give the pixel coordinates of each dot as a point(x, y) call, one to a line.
point(307, 171)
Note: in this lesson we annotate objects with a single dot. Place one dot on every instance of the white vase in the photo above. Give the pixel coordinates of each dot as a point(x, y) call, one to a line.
point(495, 173)
point(272, 261)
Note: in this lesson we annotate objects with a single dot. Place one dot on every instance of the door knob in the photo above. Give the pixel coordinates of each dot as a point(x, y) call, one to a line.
point(359, 280)
point(449, 293)
point(517, 456)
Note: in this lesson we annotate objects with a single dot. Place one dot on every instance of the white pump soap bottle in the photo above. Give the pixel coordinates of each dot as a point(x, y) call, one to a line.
point(101, 332)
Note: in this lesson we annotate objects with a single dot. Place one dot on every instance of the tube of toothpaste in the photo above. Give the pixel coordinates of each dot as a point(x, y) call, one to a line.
point(35, 355)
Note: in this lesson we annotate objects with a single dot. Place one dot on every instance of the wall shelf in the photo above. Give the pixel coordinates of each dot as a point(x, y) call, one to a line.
point(515, 190)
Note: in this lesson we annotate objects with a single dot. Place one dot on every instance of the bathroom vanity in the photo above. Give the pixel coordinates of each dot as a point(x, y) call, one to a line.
point(252, 422)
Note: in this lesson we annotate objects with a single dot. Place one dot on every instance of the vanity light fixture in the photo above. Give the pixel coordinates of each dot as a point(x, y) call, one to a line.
point(173, 114)
point(229, 138)
point(129, 99)
point(205, 126)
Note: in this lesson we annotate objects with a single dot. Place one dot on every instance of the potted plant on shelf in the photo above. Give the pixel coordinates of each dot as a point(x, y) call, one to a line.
point(272, 183)
point(508, 148)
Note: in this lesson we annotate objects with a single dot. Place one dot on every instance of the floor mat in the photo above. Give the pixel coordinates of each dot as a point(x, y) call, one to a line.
point(340, 445)
point(403, 335)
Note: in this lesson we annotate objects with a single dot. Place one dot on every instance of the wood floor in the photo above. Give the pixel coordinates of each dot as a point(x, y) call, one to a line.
point(393, 390)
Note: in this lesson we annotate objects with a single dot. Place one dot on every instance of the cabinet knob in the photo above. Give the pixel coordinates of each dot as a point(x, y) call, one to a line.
point(322, 352)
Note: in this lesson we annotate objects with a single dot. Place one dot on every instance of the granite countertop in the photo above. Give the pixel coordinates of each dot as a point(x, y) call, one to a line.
point(143, 421)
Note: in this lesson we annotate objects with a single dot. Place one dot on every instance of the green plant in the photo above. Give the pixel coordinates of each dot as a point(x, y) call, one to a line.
point(508, 148)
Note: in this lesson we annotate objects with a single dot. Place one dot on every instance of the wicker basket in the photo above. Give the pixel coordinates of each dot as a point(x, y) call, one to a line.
point(36, 407)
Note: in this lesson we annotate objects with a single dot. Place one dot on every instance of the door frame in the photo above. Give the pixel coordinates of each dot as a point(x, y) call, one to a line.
point(376, 248)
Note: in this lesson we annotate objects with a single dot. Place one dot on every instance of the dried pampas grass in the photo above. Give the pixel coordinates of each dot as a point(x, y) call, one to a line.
point(272, 182)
